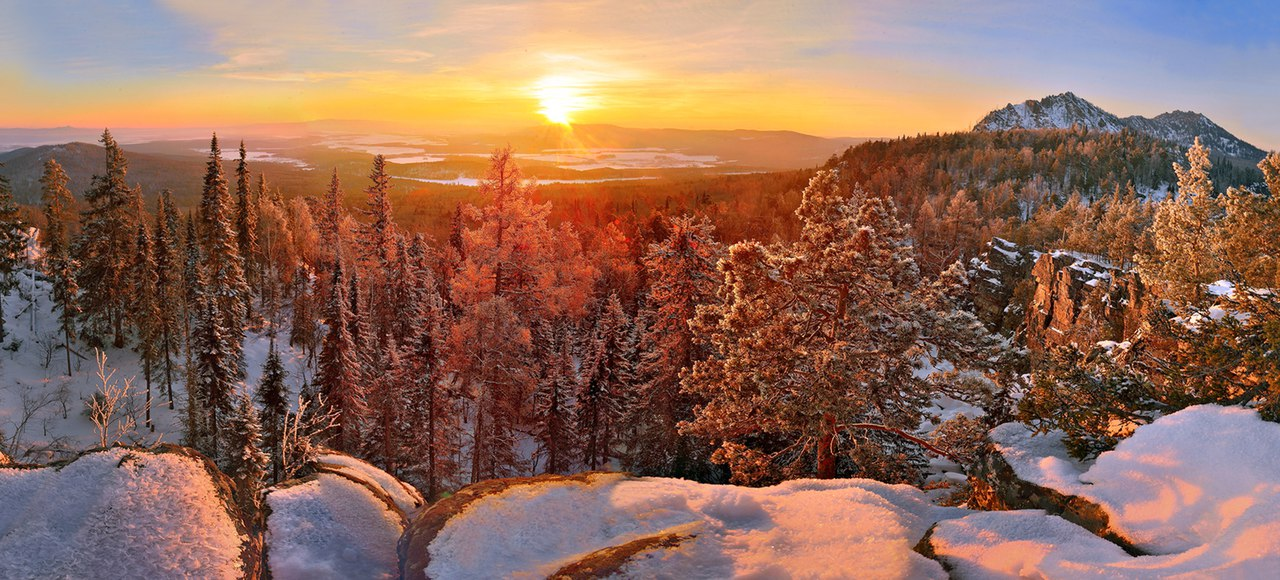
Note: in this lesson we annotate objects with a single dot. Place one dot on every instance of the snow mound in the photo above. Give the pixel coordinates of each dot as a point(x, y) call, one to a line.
point(404, 495)
point(118, 513)
point(804, 528)
point(328, 526)
point(1199, 488)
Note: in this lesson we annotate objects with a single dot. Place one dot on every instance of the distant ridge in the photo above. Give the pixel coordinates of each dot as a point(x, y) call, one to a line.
point(1067, 110)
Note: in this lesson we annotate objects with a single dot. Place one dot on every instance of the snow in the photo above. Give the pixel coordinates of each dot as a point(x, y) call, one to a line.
point(802, 528)
point(116, 514)
point(1199, 489)
point(406, 497)
point(331, 527)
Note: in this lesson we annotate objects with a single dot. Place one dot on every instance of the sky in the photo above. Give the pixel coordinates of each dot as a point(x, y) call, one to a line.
point(841, 68)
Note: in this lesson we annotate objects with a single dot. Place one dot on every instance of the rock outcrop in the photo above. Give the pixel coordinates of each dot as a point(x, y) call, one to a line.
point(994, 278)
point(1081, 300)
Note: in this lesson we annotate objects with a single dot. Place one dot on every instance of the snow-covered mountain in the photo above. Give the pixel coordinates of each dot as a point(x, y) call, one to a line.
point(1067, 110)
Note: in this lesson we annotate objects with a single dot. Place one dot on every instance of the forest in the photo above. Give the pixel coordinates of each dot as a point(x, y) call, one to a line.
point(761, 328)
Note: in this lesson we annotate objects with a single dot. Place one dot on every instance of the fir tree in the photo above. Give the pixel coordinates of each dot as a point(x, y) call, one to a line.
point(378, 236)
point(244, 461)
point(105, 248)
point(61, 267)
point(304, 330)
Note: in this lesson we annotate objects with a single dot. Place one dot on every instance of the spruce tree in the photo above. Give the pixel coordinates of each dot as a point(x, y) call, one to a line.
point(607, 385)
point(1185, 232)
point(553, 409)
point(61, 267)
point(169, 287)
point(246, 217)
point(244, 461)
point(215, 367)
point(145, 314)
point(273, 394)
point(12, 242)
point(682, 270)
point(378, 236)
point(105, 248)
point(339, 376)
point(225, 266)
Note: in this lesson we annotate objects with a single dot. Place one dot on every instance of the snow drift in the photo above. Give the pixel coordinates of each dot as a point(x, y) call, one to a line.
point(122, 513)
point(343, 521)
point(651, 527)
point(1198, 489)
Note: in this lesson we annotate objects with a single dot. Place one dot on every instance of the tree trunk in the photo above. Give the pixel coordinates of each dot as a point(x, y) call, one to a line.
point(826, 448)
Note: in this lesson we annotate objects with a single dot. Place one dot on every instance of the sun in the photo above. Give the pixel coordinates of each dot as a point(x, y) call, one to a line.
point(560, 97)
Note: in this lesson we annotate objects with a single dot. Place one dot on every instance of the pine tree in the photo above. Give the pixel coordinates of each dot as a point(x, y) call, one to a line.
point(682, 270)
point(273, 394)
point(191, 310)
point(244, 461)
point(61, 267)
point(145, 314)
point(169, 290)
point(105, 248)
point(331, 215)
point(1185, 232)
point(607, 384)
point(817, 345)
point(222, 258)
point(387, 402)
point(339, 376)
point(433, 416)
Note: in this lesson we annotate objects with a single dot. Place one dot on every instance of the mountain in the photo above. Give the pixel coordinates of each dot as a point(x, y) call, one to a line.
point(1067, 110)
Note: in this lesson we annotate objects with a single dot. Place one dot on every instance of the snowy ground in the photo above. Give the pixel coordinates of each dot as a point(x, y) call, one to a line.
point(329, 527)
point(1199, 489)
point(116, 514)
point(41, 407)
point(807, 528)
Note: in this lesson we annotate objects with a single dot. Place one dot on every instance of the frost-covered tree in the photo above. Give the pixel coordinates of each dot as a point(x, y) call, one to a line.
point(168, 280)
point(12, 241)
point(244, 461)
point(273, 395)
point(553, 409)
point(60, 266)
point(817, 345)
point(303, 332)
point(682, 274)
point(339, 377)
point(105, 248)
point(388, 399)
point(1185, 231)
point(246, 218)
point(608, 380)
point(215, 371)
point(377, 237)
point(145, 312)
point(221, 257)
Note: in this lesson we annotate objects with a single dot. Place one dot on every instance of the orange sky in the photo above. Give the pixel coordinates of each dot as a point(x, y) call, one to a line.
point(841, 68)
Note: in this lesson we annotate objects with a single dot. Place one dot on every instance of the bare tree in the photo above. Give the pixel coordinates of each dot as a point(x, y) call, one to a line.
point(110, 408)
point(301, 430)
point(36, 402)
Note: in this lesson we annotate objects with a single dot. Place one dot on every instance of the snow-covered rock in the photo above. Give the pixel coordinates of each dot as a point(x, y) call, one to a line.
point(328, 525)
point(406, 498)
point(123, 513)
point(1198, 489)
point(651, 527)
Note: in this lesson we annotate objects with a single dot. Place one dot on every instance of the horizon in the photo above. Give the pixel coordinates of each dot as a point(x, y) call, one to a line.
point(856, 70)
